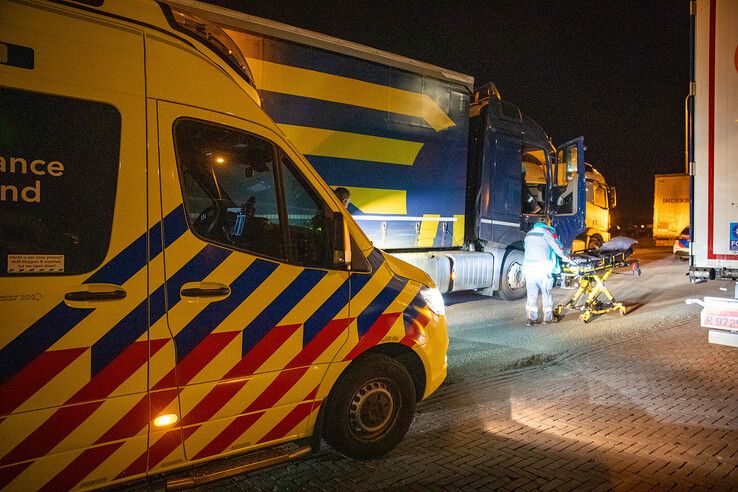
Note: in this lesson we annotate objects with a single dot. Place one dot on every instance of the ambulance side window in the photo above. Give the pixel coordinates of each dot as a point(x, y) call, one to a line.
point(308, 219)
point(59, 160)
point(229, 187)
point(242, 192)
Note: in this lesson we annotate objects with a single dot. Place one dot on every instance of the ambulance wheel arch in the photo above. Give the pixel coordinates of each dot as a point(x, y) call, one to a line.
point(371, 406)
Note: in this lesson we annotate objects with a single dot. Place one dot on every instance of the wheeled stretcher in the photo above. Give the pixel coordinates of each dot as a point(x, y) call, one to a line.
point(592, 268)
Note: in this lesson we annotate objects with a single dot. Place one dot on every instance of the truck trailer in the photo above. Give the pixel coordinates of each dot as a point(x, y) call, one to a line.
point(713, 160)
point(670, 207)
point(434, 168)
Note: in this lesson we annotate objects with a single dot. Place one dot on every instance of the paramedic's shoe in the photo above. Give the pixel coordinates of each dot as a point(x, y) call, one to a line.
point(550, 321)
point(530, 322)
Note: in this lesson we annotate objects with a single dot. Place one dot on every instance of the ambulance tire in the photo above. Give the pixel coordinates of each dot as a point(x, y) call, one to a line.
point(512, 282)
point(370, 408)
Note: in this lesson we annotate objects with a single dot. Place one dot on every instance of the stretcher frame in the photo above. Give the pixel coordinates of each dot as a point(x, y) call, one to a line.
point(591, 271)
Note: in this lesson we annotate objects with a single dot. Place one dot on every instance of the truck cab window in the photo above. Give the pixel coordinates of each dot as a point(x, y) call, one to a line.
point(565, 186)
point(534, 179)
point(600, 196)
point(229, 188)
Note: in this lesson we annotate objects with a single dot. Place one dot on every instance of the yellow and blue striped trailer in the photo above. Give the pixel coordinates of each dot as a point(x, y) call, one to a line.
point(392, 130)
point(177, 283)
point(433, 167)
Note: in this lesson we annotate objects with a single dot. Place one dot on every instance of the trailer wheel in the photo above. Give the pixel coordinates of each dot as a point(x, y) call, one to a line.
point(512, 281)
point(370, 409)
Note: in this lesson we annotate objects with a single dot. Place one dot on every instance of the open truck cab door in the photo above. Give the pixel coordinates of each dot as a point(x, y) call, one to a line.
point(567, 196)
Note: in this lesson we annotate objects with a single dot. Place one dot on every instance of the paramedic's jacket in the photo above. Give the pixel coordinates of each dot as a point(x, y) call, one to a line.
point(542, 249)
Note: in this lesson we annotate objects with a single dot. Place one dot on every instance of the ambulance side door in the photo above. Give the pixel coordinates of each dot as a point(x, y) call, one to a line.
point(256, 309)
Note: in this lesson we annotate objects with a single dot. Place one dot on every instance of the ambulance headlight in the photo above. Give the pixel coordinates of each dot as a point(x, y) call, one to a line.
point(434, 299)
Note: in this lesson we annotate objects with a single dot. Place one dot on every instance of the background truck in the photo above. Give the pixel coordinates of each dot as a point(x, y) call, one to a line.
point(434, 168)
point(601, 200)
point(713, 159)
point(670, 207)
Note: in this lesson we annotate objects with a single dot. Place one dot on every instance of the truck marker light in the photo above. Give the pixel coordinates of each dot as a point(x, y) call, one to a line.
point(165, 420)
point(220, 160)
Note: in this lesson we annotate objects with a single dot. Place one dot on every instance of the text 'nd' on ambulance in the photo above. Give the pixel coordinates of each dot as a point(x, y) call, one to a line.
point(177, 283)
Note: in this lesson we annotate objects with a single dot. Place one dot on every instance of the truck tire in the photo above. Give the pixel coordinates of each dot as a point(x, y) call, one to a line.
point(370, 408)
point(594, 242)
point(512, 282)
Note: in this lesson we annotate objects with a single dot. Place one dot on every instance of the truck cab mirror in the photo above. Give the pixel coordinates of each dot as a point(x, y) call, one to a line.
point(613, 196)
point(340, 242)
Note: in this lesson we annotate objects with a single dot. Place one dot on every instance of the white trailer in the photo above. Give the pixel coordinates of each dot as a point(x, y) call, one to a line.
point(713, 159)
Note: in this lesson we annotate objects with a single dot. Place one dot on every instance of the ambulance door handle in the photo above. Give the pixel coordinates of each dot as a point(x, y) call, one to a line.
point(96, 292)
point(205, 289)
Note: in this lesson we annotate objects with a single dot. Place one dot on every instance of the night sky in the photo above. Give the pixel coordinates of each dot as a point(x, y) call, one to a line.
point(616, 72)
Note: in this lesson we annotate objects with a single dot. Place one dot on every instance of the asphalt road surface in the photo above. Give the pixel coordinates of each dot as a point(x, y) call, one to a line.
point(636, 402)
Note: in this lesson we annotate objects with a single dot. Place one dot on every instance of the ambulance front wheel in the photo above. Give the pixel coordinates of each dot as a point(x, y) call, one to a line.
point(370, 409)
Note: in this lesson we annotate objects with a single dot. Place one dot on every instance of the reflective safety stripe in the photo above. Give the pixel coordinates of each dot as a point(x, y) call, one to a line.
point(206, 339)
point(367, 318)
point(213, 314)
point(136, 323)
point(282, 304)
point(51, 327)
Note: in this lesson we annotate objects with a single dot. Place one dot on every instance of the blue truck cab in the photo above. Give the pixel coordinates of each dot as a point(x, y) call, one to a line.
point(515, 178)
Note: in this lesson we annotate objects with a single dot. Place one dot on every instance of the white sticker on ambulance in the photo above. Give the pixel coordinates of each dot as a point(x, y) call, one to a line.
point(35, 263)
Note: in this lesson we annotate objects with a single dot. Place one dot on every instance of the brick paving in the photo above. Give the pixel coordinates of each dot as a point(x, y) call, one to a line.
point(657, 412)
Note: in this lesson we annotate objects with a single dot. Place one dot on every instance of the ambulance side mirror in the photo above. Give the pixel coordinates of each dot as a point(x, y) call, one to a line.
point(340, 242)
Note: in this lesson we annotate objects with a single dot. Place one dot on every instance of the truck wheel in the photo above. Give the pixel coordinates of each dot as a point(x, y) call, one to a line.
point(595, 242)
point(370, 409)
point(512, 281)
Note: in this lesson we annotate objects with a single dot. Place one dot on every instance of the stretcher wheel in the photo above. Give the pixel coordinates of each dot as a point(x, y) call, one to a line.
point(558, 310)
point(585, 316)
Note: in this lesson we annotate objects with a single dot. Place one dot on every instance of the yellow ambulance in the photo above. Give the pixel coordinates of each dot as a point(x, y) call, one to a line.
point(177, 284)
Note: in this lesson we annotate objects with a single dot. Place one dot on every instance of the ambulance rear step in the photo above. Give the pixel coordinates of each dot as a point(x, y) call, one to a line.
point(238, 465)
